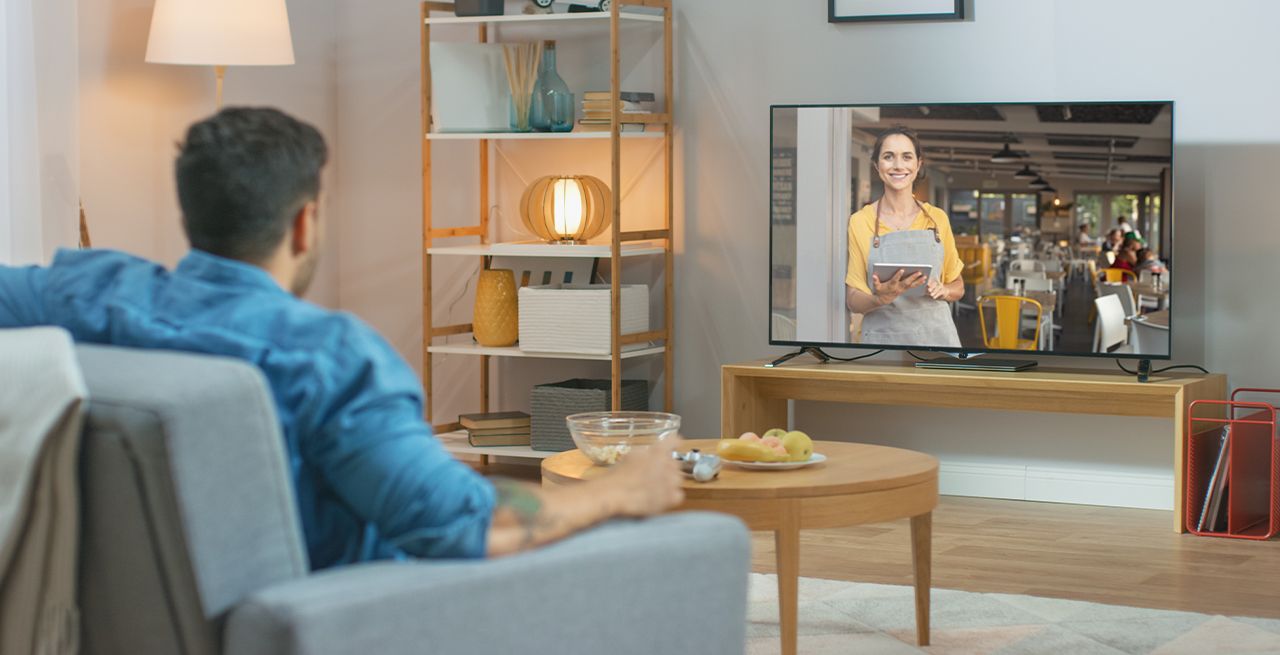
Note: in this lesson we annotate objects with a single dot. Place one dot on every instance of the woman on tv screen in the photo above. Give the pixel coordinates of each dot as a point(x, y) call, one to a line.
point(903, 265)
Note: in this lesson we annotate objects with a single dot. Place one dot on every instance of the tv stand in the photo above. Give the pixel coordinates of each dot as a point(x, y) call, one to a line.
point(816, 352)
point(754, 395)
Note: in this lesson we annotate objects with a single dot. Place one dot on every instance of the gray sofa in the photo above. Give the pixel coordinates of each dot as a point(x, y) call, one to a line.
point(191, 544)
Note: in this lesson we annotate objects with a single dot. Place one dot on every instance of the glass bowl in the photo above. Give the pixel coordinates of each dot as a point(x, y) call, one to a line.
point(605, 437)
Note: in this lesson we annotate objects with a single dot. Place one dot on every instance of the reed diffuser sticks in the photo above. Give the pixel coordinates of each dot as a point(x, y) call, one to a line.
point(522, 71)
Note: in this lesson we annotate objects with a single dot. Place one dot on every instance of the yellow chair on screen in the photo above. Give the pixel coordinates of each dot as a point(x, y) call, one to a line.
point(1008, 312)
point(1119, 275)
point(977, 271)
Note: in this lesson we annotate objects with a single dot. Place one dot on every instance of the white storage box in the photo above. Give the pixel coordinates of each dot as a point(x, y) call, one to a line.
point(574, 318)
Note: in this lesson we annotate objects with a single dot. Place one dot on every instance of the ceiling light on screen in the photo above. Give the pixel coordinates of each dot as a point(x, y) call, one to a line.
point(1025, 174)
point(1005, 155)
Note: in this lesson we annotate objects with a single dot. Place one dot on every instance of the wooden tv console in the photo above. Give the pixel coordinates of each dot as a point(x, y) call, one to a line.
point(755, 398)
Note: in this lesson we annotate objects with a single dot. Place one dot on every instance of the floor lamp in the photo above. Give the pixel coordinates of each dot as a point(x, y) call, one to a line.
point(220, 33)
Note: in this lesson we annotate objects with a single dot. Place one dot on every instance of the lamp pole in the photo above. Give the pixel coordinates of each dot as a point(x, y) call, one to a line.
point(221, 73)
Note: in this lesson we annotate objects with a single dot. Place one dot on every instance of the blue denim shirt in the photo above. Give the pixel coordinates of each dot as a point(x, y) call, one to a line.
point(372, 482)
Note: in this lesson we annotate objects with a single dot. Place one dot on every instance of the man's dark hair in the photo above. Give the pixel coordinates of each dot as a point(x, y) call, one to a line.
point(242, 176)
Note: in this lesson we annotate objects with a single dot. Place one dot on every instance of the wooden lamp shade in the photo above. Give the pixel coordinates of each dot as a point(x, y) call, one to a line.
point(567, 208)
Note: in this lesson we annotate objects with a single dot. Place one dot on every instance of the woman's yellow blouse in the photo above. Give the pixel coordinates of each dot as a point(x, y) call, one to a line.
point(863, 220)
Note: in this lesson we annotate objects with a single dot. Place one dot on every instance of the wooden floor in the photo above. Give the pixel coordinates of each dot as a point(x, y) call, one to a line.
point(1100, 554)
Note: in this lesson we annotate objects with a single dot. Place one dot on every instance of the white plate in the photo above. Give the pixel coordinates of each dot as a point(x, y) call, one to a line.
point(816, 458)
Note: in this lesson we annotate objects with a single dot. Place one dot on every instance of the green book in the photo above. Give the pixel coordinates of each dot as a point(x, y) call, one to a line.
point(482, 440)
point(494, 432)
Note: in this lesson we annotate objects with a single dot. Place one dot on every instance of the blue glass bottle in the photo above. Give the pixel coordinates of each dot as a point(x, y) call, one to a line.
point(552, 108)
point(538, 117)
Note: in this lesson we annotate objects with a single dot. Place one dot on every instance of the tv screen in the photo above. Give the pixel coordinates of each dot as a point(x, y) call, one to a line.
point(966, 228)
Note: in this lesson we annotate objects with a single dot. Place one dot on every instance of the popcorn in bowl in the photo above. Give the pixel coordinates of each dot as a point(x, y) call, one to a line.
point(606, 437)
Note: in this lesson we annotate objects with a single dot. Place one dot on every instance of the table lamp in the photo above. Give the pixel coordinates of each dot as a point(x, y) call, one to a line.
point(566, 208)
point(220, 34)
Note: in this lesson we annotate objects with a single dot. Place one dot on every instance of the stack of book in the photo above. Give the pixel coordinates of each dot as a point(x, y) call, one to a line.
point(597, 110)
point(496, 428)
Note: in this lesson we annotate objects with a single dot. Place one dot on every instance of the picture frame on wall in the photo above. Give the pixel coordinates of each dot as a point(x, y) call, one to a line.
point(851, 11)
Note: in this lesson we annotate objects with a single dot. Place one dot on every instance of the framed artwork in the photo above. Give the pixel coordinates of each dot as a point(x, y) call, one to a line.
point(849, 11)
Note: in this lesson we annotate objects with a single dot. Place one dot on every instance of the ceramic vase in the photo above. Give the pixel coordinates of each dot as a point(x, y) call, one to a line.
point(496, 319)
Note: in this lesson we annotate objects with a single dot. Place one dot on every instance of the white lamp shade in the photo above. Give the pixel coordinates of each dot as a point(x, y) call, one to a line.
point(220, 33)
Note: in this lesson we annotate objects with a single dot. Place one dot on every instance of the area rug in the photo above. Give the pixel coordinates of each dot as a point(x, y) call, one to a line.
point(853, 617)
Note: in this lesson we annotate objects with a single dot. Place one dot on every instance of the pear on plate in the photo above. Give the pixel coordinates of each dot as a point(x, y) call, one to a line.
point(775, 432)
point(799, 446)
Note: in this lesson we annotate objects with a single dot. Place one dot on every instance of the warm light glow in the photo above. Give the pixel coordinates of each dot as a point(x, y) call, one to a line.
point(567, 200)
point(220, 33)
point(566, 208)
point(1057, 201)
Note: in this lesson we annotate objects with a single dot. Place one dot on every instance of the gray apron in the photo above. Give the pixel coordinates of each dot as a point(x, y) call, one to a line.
point(908, 321)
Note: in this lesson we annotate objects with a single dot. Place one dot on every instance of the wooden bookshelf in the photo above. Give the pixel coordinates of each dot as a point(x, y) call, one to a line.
point(624, 15)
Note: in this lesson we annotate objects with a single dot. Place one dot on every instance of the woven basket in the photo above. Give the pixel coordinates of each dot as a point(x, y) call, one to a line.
point(550, 403)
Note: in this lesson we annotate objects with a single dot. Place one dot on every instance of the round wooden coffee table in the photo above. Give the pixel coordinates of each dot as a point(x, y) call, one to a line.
point(858, 484)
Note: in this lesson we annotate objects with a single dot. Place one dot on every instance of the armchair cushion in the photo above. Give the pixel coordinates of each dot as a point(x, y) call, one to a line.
point(671, 584)
point(187, 502)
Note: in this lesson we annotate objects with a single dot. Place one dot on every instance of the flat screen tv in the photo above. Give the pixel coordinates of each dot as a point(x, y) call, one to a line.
point(973, 227)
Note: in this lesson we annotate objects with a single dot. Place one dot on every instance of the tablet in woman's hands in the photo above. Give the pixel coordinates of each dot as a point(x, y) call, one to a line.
point(885, 271)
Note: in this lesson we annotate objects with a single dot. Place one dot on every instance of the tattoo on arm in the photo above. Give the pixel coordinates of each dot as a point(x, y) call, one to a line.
point(523, 503)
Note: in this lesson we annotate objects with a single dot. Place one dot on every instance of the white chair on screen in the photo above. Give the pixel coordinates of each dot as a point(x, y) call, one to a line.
point(1123, 293)
point(1148, 338)
point(1109, 331)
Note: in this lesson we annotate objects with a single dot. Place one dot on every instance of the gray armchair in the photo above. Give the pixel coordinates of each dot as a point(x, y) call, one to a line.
point(191, 544)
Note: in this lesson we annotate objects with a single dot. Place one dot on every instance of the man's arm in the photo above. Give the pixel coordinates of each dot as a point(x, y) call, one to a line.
point(646, 482)
point(22, 296)
point(374, 451)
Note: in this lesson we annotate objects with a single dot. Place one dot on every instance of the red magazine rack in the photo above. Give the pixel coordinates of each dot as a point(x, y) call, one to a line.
point(1253, 470)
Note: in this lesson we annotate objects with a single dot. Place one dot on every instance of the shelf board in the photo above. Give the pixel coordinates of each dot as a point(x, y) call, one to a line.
point(551, 20)
point(539, 249)
point(628, 352)
point(456, 443)
point(536, 136)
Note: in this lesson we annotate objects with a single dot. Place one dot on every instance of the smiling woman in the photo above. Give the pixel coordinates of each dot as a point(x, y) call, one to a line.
point(899, 247)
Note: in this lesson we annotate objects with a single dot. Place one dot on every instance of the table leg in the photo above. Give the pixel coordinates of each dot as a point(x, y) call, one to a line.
point(787, 543)
point(922, 559)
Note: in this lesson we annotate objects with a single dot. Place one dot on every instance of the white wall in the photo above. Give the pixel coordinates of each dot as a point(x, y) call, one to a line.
point(133, 113)
point(1226, 157)
point(39, 143)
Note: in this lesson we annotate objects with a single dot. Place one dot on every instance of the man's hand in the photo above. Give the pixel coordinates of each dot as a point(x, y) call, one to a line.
point(646, 481)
